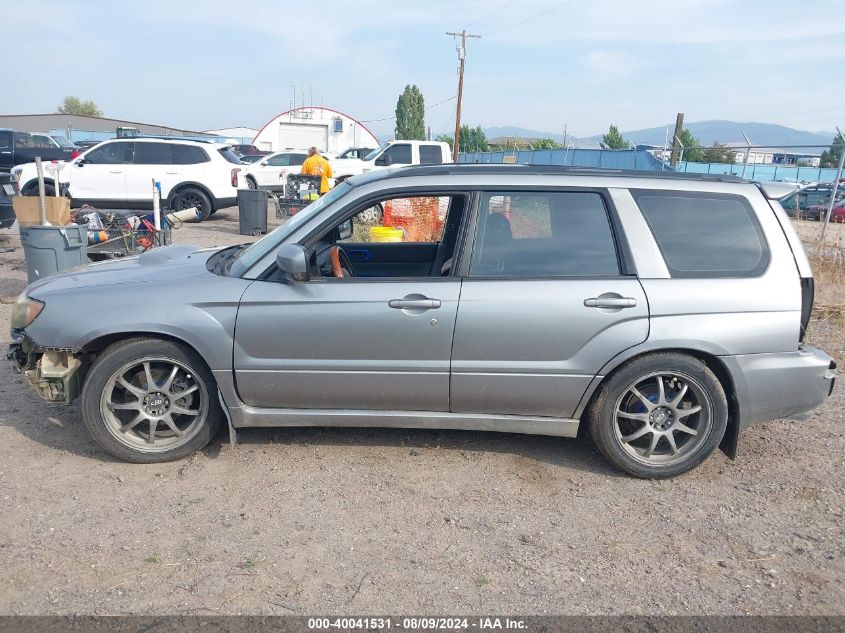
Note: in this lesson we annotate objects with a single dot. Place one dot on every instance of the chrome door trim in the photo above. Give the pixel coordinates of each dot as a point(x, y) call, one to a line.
point(246, 416)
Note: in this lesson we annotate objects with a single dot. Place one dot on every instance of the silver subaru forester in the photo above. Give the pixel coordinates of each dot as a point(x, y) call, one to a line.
point(663, 312)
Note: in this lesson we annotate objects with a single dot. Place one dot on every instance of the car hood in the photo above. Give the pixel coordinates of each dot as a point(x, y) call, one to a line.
point(178, 261)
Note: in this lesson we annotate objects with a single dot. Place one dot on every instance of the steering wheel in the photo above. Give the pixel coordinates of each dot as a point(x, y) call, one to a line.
point(340, 261)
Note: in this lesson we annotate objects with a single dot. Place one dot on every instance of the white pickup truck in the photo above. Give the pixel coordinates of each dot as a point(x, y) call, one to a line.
point(393, 154)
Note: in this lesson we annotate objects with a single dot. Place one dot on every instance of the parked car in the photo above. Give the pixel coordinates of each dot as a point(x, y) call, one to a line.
point(8, 190)
point(271, 171)
point(243, 150)
point(355, 152)
point(119, 173)
point(809, 203)
point(20, 147)
point(393, 154)
point(87, 144)
point(662, 311)
point(251, 158)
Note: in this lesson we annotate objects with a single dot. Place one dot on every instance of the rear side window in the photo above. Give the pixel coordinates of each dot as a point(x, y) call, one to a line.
point(705, 235)
point(153, 154)
point(431, 155)
point(189, 155)
point(5, 140)
point(230, 155)
point(544, 234)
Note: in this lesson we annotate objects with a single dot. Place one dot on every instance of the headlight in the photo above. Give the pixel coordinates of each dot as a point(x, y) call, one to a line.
point(24, 311)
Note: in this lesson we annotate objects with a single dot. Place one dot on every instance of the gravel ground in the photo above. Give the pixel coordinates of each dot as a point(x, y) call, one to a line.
point(305, 521)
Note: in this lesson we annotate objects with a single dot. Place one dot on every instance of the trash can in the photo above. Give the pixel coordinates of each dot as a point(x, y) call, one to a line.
point(252, 211)
point(52, 249)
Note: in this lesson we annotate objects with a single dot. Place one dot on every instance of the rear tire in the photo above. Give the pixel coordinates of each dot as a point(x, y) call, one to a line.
point(250, 183)
point(193, 197)
point(149, 400)
point(659, 415)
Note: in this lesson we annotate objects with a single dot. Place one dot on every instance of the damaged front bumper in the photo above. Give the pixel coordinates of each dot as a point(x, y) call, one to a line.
point(55, 374)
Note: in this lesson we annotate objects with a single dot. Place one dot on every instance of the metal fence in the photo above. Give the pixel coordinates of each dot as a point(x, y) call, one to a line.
point(645, 160)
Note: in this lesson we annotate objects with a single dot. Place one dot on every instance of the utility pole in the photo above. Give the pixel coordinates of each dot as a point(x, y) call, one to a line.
point(462, 50)
point(676, 143)
point(835, 185)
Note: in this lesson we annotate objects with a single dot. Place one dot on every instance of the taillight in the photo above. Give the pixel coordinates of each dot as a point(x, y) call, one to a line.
point(807, 295)
point(75, 153)
point(235, 173)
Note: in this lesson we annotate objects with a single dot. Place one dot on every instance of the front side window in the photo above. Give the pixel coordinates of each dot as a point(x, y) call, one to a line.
point(543, 234)
point(153, 154)
point(419, 219)
point(399, 154)
point(110, 154)
point(705, 235)
point(280, 160)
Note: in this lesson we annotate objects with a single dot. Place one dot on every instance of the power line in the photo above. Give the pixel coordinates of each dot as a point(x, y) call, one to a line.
point(493, 12)
point(532, 18)
point(426, 109)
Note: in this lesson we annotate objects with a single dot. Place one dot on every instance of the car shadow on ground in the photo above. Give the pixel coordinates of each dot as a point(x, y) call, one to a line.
point(569, 453)
point(61, 428)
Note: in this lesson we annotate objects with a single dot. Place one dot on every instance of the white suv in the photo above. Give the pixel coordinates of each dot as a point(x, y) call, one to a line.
point(393, 154)
point(119, 173)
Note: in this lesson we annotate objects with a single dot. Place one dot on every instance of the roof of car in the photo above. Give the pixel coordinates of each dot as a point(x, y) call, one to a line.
point(533, 170)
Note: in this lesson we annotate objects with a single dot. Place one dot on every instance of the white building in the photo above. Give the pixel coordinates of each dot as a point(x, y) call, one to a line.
point(326, 129)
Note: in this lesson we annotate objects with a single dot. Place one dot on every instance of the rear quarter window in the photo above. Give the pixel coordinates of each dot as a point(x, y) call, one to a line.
point(704, 234)
point(431, 155)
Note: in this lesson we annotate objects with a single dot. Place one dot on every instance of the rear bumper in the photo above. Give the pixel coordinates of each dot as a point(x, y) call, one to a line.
point(781, 385)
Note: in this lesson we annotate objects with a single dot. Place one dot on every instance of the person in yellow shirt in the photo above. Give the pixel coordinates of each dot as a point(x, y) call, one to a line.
point(316, 165)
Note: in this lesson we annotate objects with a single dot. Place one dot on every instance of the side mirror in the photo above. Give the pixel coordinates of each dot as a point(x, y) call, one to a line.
point(344, 230)
point(264, 163)
point(293, 262)
point(80, 162)
point(383, 161)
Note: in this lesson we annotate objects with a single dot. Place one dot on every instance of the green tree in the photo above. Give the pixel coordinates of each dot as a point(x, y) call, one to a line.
point(692, 147)
point(830, 157)
point(473, 139)
point(410, 115)
point(543, 143)
point(73, 105)
point(718, 153)
point(613, 139)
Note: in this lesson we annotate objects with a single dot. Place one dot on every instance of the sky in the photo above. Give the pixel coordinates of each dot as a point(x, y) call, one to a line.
point(540, 64)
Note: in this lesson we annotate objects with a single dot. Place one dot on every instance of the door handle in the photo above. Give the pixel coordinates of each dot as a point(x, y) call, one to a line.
point(414, 304)
point(115, 172)
point(171, 173)
point(610, 302)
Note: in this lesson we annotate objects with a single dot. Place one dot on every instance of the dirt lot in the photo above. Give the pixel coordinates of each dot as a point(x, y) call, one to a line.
point(392, 521)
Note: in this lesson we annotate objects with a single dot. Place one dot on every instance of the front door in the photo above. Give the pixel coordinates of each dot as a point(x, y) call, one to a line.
point(346, 344)
point(100, 174)
point(544, 306)
point(380, 338)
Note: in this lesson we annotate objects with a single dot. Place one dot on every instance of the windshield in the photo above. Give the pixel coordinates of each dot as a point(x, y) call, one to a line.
point(63, 142)
point(375, 152)
point(259, 249)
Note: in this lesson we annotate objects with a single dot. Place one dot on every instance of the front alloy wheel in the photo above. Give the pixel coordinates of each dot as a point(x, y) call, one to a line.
point(154, 405)
point(149, 400)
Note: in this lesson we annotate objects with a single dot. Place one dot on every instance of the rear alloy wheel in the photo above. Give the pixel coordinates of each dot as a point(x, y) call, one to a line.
point(659, 416)
point(147, 400)
point(191, 197)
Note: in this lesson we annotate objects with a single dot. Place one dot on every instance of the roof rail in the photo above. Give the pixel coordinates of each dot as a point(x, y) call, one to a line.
point(494, 168)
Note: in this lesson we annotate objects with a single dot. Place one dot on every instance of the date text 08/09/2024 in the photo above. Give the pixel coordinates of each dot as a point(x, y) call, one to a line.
point(417, 623)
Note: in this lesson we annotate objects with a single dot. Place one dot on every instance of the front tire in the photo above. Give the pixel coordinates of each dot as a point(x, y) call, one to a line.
point(149, 400)
point(193, 197)
point(659, 415)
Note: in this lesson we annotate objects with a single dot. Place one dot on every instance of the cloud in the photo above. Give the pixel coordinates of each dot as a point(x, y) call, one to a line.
point(609, 65)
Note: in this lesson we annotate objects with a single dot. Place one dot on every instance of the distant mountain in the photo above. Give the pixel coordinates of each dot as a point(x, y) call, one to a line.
point(708, 132)
point(726, 132)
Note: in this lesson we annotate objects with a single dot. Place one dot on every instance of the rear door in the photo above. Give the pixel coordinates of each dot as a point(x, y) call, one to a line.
point(546, 302)
point(153, 161)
